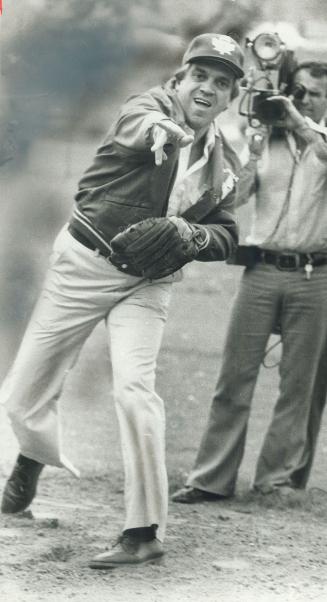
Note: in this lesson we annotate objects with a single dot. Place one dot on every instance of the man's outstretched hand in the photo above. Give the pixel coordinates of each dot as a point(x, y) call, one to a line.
point(166, 132)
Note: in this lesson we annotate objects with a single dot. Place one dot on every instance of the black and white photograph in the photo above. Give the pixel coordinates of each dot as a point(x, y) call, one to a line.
point(163, 300)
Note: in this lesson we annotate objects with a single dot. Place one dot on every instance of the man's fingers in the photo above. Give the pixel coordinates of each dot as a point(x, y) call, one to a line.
point(185, 140)
point(159, 139)
point(174, 132)
point(159, 156)
point(279, 97)
point(165, 132)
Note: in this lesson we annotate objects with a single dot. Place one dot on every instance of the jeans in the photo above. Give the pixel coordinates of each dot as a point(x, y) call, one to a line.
point(268, 297)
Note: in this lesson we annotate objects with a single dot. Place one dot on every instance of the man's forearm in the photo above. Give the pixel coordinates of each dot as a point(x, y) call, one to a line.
point(310, 132)
point(247, 181)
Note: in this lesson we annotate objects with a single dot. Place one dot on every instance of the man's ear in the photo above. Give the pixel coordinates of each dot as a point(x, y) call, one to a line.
point(179, 76)
point(235, 90)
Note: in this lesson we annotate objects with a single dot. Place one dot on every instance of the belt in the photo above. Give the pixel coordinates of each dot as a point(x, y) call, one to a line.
point(289, 261)
point(86, 242)
point(285, 261)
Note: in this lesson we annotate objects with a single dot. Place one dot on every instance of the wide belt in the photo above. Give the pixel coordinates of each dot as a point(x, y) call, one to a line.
point(285, 261)
point(290, 261)
point(94, 245)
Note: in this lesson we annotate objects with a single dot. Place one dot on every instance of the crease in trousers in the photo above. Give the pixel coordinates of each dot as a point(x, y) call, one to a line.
point(80, 289)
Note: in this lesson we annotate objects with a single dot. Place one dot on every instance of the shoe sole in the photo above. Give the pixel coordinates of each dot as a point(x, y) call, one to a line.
point(5, 510)
point(200, 500)
point(197, 501)
point(115, 565)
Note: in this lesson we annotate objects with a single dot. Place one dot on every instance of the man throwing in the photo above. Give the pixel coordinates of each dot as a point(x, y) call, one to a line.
point(163, 158)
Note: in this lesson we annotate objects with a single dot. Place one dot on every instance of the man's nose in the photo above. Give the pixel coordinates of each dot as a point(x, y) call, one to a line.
point(305, 99)
point(207, 87)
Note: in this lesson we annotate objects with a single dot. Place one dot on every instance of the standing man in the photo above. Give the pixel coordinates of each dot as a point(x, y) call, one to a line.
point(284, 284)
point(164, 158)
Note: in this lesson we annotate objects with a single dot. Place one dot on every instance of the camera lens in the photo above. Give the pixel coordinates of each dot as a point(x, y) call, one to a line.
point(299, 91)
point(267, 46)
point(267, 111)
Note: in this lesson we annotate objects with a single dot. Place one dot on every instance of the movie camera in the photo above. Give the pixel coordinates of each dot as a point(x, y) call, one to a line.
point(270, 66)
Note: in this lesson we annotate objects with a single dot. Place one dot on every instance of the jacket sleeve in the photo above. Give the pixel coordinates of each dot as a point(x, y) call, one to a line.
point(133, 128)
point(222, 228)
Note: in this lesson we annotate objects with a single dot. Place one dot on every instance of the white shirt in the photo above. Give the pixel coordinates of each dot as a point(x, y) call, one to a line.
point(291, 201)
point(191, 182)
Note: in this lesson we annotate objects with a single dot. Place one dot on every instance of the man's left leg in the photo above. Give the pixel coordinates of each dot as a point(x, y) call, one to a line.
point(301, 475)
point(288, 448)
point(136, 327)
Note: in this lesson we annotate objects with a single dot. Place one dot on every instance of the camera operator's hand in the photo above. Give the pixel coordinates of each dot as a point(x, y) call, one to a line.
point(164, 132)
point(257, 139)
point(293, 119)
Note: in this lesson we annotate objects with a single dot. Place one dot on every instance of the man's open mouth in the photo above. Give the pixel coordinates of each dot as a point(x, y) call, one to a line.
point(202, 102)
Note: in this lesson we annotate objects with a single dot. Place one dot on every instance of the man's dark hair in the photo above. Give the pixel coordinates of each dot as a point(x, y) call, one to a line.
point(316, 69)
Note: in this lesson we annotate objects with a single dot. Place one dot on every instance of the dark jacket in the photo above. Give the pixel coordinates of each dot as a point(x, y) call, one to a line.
point(123, 185)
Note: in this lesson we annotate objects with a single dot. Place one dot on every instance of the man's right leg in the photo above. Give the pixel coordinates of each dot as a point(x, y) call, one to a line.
point(64, 317)
point(253, 316)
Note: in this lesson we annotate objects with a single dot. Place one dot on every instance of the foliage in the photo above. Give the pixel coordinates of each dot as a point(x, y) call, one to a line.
point(64, 58)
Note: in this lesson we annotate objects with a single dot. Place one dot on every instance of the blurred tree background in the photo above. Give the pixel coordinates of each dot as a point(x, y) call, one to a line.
point(62, 61)
point(65, 68)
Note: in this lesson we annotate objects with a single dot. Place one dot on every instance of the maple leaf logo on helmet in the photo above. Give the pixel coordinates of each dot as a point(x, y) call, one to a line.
point(223, 46)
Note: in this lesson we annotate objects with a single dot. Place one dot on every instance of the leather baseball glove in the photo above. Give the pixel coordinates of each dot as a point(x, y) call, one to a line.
point(157, 246)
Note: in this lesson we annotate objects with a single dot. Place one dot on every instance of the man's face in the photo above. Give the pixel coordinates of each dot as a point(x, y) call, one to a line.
point(204, 92)
point(314, 102)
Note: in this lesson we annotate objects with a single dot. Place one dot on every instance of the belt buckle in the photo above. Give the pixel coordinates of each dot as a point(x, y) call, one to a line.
point(288, 262)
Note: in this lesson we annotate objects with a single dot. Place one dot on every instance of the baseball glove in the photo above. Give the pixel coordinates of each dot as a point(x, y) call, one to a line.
point(156, 247)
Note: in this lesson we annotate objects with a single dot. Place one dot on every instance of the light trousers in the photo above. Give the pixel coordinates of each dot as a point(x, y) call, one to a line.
point(267, 296)
point(80, 289)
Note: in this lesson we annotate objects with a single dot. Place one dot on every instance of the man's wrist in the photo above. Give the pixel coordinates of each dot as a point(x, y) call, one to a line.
point(201, 237)
point(302, 125)
point(304, 130)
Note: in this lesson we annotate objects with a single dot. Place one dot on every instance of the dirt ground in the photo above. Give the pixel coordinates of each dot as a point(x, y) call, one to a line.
point(250, 548)
point(243, 550)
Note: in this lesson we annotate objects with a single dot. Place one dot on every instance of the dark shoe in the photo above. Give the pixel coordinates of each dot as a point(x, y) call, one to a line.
point(20, 488)
point(192, 495)
point(128, 552)
point(282, 491)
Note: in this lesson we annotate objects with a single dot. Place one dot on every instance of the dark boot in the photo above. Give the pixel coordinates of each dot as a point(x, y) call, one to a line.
point(21, 486)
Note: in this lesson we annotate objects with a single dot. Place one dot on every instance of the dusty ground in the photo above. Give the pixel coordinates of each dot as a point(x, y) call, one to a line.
point(247, 549)
point(243, 550)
